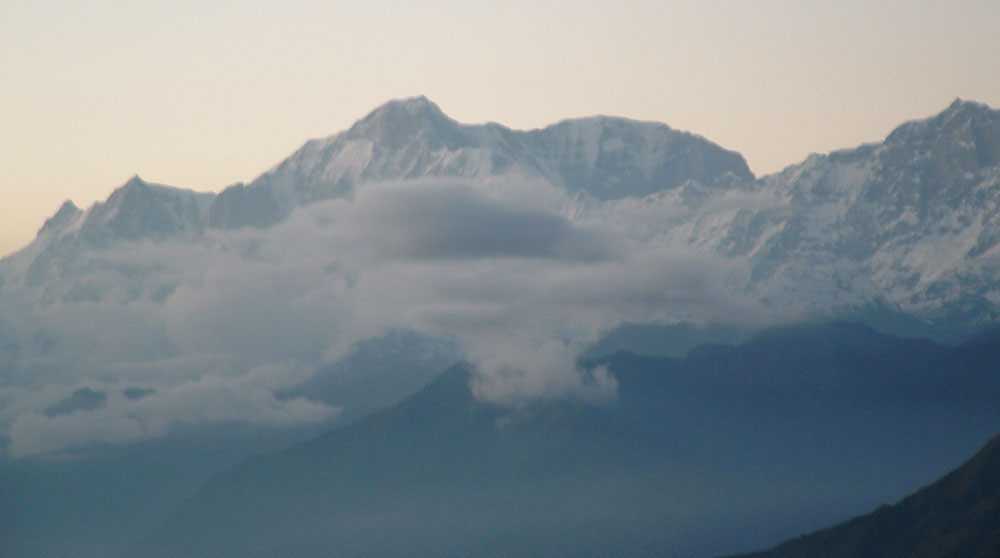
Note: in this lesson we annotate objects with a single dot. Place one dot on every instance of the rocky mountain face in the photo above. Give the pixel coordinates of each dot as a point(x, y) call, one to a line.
point(912, 221)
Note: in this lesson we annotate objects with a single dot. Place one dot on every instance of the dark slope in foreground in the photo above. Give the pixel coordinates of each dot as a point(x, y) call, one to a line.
point(729, 449)
point(957, 516)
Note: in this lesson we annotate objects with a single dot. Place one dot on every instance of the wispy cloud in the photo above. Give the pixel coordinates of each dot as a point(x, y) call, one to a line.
point(244, 314)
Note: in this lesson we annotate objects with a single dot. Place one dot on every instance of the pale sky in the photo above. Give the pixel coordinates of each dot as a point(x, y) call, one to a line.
point(204, 94)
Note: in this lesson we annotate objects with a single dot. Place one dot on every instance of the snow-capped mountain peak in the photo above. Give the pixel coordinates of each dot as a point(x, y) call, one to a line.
point(68, 214)
point(965, 125)
point(139, 209)
point(398, 123)
point(601, 157)
point(613, 158)
point(135, 211)
point(911, 221)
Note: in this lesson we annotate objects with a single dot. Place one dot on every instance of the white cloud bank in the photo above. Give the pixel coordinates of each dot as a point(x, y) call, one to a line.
point(243, 314)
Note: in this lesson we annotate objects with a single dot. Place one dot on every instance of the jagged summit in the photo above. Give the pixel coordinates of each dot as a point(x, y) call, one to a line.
point(963, 120)
point(67, 214)
point(134, 181)
point(398, 122)
point(966, 106)
point(949, 150)
point(415, 105)
point(136, 210)
point(908, 219)
point(603, 157)
point(139, 209)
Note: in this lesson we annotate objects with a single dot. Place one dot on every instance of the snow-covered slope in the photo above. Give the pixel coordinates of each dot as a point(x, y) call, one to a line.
point(913, 220)
point(607, 158)
point(136, 211)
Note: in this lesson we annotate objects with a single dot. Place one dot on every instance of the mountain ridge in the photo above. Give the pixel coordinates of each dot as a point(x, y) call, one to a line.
point(956, 516)
point(424, 114)
point(449, 474)
point(911, 223)
point(412, 138)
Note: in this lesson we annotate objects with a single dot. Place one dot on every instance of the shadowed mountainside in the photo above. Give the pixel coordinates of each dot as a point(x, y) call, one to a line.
point(956, 517)
point(788, 431)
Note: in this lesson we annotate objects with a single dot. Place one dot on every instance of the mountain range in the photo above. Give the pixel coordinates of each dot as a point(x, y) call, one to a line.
point(908, 225)
point(620, 305)
point(727, 448)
